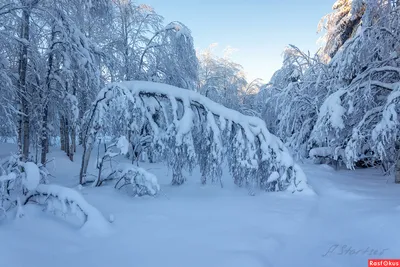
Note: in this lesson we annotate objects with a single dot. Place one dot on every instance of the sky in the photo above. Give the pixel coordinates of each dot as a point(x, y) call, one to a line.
point(259, 30)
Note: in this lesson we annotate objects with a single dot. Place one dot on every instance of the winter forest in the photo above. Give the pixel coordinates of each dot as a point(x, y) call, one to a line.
point(113, 124)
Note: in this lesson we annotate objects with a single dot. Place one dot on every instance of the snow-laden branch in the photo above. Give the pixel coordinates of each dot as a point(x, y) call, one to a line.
point(95, 223)
point(194, 129)
point(140, 181)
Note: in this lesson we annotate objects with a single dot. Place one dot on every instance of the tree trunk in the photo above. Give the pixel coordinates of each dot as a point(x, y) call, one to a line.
point(177, 177)
point(397, 170)
point(19, 130)
point(87, 149)
point(62, 136)
point(26, 143)
point(23, 126)
point(72, 149)
point(45, 134)
point(397, 176)
point(81, 118)
point(66, 137)
point(37, 149)
point(44, 139)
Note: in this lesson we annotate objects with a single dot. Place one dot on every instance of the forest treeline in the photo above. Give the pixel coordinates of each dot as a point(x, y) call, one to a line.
point(340, 104)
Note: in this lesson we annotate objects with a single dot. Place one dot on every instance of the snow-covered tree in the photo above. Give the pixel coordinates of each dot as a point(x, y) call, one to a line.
point(349, 105)
point(361, 116)
point(169, 57)
point(221, 79)
point(340, 25)
point(191, 129)
point(292, 98)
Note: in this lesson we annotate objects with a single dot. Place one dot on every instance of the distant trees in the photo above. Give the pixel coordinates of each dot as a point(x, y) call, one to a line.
point(223, 80)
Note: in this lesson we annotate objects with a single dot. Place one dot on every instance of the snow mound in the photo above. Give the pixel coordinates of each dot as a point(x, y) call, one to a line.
point(95, 223)
point(321, 152)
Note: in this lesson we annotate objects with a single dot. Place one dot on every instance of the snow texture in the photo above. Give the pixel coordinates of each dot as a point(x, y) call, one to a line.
point(354, 214)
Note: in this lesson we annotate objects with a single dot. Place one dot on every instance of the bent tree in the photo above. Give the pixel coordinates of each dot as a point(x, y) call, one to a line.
point(189, 129)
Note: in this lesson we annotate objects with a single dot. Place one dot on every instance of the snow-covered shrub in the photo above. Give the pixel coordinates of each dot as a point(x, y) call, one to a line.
point(351, 102)
point(137, 180)
point(115, 148)
point(17, 179)
point(68, 200)
point(327, 155)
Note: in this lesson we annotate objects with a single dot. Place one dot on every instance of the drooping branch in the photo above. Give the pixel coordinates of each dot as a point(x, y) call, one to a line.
point(69, 198)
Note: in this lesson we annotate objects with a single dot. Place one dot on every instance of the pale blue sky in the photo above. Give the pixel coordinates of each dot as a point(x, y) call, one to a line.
point(259, 29)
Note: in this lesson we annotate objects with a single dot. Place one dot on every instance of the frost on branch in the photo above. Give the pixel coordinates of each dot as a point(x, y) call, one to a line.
point(71, 202)
point(190, 129)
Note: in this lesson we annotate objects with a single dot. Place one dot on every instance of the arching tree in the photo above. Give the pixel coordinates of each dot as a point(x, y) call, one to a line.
point(191, 129)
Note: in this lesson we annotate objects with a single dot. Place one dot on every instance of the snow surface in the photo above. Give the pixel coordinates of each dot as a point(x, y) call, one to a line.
point(353, 217)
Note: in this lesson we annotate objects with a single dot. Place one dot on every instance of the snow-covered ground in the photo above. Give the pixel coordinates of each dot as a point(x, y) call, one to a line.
point(355, 216)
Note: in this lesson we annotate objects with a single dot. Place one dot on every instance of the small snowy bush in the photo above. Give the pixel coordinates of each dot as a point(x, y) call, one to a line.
point(17, 178)
point(139, 181)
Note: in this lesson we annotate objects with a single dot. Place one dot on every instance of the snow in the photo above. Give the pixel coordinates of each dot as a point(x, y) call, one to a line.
point(72, 102)
point(9, 177)
point(334, 111)
point(32, 175)
point(321, 152)
point(123, 145)
point(186, 122)
point(95, 222)
point(140, 177)
point(273, 177)
point(199, 226)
